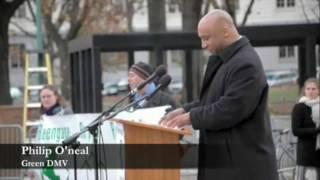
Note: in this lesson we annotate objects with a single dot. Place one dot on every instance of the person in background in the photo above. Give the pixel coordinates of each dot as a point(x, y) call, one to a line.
point(306, 126)
point(138, 73)
point(51, 102)
point(51, 105)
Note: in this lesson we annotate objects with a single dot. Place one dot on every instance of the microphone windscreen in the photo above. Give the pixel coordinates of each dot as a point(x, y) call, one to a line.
point(161, 70)
point(164, 81)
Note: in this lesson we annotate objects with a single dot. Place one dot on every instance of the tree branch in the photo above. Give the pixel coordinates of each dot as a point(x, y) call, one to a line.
point(61, 16)
point(247, 13)
point(230, 7)
point(76, 25)
point(215, 4)
point(31, 11)
point(29, 20)
point(206, 8)
point(23, 30)
point(319, 13)
point(51, 29)
point(139, 7)
point(50, 47)
point(315, 14)
point(74, 10)
point(304, 11)
point(13, 6)
point(197, 10)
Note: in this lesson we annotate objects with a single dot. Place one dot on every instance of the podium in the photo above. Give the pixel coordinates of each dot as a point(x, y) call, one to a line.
point(141, 133)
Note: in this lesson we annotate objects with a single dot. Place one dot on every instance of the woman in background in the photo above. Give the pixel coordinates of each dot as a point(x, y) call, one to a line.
point(51, 103)
point(306, 126)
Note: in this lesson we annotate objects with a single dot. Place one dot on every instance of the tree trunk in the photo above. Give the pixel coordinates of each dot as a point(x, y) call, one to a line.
point(5, 97)
point(7, 9)
point(130, 13)
point(230, 7)
point(65, 69)
point(191, 12)
point(247, 13)
point(157, 15)
point(62, 54)
point(157, 23)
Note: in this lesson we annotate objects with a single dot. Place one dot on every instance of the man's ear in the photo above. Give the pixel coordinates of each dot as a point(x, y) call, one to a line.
point(225, 31)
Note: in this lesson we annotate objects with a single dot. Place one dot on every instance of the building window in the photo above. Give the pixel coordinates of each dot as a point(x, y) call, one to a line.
point(290, 51)
point(282, 51)
point(280, 3)
point(285, 3)
point(290, 3)
point(286, 51)
point(16, 55)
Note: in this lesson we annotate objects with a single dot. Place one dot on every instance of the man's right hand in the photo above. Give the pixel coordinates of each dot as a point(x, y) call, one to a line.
point(171, 115)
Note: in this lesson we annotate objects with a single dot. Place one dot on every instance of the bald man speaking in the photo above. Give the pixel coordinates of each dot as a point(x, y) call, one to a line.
point(235, 134)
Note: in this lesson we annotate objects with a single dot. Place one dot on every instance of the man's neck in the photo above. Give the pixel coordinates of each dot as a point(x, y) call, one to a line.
point(231, 40)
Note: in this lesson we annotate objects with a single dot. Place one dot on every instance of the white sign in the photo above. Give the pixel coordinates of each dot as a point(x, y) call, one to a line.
point(54, 129)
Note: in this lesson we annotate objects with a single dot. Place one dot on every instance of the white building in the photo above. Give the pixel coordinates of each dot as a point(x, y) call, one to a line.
point(19, 42)
point(266, 12)
point(263, 12)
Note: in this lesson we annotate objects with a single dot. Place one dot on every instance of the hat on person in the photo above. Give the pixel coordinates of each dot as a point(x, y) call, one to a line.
point(142, 69)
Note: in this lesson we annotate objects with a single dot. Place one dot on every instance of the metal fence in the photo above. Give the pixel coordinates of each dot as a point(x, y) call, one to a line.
point(11, 134)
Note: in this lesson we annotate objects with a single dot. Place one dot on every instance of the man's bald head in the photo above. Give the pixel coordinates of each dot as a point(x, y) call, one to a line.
point(218, 15)
point(217, 30)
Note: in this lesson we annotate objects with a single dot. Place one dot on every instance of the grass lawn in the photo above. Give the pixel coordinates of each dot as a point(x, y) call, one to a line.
point(282, 98)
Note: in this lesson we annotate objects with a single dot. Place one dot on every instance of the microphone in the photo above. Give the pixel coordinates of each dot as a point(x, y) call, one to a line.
point(159, 72)
point(163, 83)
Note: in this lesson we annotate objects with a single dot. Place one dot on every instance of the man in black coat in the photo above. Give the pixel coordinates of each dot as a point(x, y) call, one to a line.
point(235, 133)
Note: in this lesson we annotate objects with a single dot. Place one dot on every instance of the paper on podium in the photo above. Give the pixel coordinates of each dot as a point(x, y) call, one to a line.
point(146, 115)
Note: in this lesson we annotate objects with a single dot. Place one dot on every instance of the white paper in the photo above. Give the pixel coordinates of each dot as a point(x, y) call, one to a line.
point(146, 115)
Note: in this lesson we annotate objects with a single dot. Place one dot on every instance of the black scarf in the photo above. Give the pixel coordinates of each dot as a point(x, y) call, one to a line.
point(52, 110)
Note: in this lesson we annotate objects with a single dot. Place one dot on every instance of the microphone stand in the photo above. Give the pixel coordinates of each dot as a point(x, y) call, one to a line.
point(92, 128)
point(74, 146)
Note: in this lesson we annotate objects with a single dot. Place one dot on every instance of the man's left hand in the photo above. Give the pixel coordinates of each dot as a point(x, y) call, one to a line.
point(179, 121)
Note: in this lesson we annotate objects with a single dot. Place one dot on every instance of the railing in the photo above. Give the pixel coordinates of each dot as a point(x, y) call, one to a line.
point(11, 134)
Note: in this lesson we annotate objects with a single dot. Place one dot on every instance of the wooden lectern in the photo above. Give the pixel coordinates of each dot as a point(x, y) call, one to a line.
point(141, 133)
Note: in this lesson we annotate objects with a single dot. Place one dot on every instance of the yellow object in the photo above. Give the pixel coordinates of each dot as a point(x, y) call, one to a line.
point(46, 70)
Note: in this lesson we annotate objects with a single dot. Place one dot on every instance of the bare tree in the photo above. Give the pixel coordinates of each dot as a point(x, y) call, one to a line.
point(231, 6)
point(247, 13)
point(132, 6)
point(157, 23)
point(156, 15)
point(65, 20)
point(191, 13)
point(304, 11)
point(7, 9)
point(70, 12)
point(314, 10)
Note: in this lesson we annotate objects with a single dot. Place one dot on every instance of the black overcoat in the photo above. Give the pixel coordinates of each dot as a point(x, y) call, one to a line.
point(305, 129)
point(235, 132)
